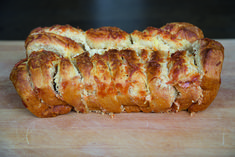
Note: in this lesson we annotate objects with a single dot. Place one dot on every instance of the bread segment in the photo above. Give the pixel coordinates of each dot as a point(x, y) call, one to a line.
point(106, 92)
point(183, 30)
point(69, 85)
point(20, 78)
point(119, 77)
point(209, 56)
point(169, 38)
point(144, 39)
point(67, 31)
point(165, 69)
point(137, 90)
point(185, 77)
point(107, 38)
point(84, 65)
point(162, 93)
point(42, 68)
point(52, 42)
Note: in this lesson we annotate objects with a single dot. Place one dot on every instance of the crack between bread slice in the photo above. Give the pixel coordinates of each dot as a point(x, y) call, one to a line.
point(185, 79)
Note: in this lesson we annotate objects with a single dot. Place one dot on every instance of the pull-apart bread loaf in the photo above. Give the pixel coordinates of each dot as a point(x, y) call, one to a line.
point(165, 69)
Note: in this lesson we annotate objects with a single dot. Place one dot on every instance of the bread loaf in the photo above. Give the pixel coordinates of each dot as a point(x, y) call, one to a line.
point(165, 69)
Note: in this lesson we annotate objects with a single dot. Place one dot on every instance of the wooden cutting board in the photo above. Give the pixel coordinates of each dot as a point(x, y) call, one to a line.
point(208, 133)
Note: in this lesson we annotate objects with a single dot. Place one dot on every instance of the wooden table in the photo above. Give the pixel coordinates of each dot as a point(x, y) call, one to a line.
point(208, 133)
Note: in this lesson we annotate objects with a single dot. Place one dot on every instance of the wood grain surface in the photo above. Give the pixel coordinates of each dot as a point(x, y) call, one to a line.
point(208, 133)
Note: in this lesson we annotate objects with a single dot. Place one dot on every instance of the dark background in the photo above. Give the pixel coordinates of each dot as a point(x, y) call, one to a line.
point(18, 17)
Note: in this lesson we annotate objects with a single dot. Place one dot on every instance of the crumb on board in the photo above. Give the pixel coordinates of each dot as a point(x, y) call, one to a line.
point(192, 114)
point(111, 115)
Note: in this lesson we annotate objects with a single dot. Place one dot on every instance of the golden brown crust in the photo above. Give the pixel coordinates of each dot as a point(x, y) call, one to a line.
point(162, 94)
point(165, 69)
point(107, 37)
point(58, 29)
point(42, 70)
point(211, 54)
point(52, 42)
point(183, 30)
point(172, 36)
point(20, 78)
point(75, 34)
point(136, 78)
point(119, 75)
point(186, 79)
point(106, 92)
point(85, 66)
point(69, 85)
point(106, 33)
point(188, 95)
point(146, 38)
